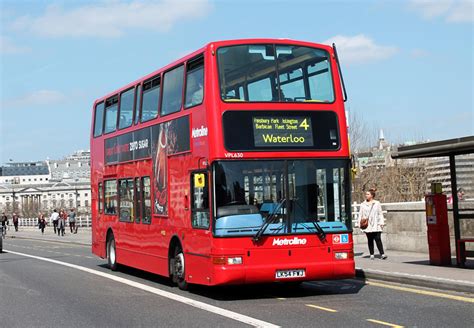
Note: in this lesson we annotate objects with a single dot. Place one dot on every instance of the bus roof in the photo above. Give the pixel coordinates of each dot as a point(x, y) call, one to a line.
point(212, 45)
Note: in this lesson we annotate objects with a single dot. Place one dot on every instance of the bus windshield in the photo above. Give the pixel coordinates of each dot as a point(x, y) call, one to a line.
point(274, 73)
point(292, 194)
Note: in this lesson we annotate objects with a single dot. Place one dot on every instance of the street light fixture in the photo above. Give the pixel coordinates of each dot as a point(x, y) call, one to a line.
point(76, 194)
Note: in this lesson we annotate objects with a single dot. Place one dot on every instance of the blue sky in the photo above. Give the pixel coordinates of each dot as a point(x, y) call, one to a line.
point(408, 65)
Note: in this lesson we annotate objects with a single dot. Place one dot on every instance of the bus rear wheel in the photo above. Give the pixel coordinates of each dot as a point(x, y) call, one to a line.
point(111, 254)
point(179, 269)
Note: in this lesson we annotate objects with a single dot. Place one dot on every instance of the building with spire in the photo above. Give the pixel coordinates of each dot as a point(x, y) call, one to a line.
point(375, 157)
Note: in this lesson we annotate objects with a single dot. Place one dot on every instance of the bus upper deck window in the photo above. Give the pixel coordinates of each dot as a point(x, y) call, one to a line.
point(111, 107)
point(150, 101)
point(126, 109)
point(194, 83)
point(172, 90)
point(304, 73)
point(98, 119)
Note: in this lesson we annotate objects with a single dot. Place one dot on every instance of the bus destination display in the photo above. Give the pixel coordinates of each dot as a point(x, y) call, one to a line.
point(278, 131)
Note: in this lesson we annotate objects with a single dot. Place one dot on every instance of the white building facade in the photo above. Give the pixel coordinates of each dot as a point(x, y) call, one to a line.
point(61, 184)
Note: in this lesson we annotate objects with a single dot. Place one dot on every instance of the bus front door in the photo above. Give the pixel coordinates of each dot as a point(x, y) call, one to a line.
point(199, 245)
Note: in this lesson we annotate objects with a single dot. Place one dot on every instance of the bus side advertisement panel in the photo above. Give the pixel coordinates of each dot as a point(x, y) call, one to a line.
point(167, 139)
point(158, 142)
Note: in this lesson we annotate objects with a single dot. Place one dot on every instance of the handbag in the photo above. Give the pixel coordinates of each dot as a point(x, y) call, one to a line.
point(364, 222)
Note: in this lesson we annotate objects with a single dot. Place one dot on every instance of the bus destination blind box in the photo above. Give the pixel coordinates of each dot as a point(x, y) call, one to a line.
point(282, 131)
point(271, 130)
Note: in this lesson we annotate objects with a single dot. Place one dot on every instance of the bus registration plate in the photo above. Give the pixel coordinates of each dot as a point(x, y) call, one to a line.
point(297, 273)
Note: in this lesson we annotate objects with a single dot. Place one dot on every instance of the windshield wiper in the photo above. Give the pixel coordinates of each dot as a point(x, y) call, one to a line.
point(270, 220)
point(321, 233)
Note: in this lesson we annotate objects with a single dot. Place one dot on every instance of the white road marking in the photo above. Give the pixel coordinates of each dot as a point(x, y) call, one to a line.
point(178, 298)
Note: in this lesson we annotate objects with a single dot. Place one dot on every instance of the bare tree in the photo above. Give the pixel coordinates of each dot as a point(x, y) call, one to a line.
point(402, 182)
point(361, 133)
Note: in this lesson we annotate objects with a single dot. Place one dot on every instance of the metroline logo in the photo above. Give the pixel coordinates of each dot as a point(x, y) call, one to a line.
point(199, 132)
point(286, 241)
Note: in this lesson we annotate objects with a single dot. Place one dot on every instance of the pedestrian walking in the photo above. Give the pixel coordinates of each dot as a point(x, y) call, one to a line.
point(41, 222)
point(62, 222)
point(54, 220)
point(15, 219)
point(72, 221)
point(4, 222)
point(371, 222)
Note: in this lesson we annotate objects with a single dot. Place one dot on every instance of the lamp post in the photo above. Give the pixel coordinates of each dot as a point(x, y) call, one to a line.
point(13, 200)
point(76, 194)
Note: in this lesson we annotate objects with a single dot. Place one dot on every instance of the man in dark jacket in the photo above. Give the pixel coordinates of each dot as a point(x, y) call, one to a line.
point(4, 222)
point(15, 221)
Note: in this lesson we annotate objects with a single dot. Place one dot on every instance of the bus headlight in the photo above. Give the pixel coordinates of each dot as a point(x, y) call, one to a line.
point(234, 260)
point(341, 255)
point(223, 260)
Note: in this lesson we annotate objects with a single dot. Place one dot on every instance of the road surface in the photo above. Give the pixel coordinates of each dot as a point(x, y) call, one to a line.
point(48, 284)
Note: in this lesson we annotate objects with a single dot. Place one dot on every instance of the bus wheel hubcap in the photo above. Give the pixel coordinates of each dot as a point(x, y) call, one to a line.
point(112, 253)
point(179, 265)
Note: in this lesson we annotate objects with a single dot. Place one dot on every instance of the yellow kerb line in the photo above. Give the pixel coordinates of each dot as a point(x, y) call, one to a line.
point(423, 292)
point(321, 308)
point(385, 323)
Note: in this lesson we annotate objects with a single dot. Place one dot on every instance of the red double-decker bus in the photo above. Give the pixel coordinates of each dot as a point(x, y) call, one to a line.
point(228, 166)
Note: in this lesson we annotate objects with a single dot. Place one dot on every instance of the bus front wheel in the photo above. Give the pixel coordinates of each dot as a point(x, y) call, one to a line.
point(111, 254)
point(179, 270)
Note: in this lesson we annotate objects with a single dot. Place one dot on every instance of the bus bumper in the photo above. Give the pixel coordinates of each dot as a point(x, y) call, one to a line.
point(253, 274)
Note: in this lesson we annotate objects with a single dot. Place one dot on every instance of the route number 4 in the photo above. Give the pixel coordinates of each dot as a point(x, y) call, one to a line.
point(304, 124)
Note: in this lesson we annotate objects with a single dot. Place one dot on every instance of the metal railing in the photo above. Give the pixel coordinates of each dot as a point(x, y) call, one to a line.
point(82, 221)
point(86, 221)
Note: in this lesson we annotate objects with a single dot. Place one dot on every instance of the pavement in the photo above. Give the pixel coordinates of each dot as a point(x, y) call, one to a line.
point(83, 236)
point(400, 267)
point(414, 269)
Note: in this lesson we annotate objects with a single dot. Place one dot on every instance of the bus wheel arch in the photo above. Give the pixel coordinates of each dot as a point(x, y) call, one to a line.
point(111, 250)
point(177, 268)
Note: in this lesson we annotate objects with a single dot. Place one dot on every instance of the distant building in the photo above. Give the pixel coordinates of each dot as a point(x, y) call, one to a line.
point(410, 172)
point(375, 157)
point(24, 173)
point(438, 171)
point(395, 180)
point(30, 187)
point(75, 167)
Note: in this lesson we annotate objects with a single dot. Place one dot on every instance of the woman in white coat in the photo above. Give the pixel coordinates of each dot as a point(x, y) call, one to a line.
point(372, 210)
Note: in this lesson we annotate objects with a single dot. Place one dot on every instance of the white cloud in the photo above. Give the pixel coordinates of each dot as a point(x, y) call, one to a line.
point(8, 47)
point(360, 49)
point(35, 99)
point(453, 11)
point(431, 8)
point(112, 18)
point(463, 12)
